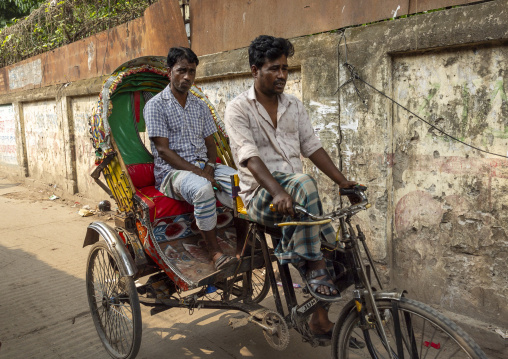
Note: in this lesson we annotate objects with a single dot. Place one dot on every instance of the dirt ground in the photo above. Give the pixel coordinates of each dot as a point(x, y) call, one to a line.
point(44, 311)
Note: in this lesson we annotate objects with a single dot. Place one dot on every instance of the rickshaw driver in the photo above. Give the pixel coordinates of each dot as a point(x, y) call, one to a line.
point(181, 128)
point(268, 131)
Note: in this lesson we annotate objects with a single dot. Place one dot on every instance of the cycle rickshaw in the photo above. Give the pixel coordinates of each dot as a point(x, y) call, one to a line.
point(156, 237)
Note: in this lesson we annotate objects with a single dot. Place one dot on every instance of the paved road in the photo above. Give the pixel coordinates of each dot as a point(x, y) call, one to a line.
point(43, 306)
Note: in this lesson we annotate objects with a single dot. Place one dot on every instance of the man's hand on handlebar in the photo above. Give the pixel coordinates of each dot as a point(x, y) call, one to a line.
point(353, 198)
point(351, 194)
point(347, 184)
point(283, 203)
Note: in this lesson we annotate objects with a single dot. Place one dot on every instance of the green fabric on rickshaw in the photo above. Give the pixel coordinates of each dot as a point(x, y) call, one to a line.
point(124, 131)
point(122, 119)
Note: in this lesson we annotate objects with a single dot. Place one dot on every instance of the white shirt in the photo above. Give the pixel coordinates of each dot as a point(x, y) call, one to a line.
point(252, 133)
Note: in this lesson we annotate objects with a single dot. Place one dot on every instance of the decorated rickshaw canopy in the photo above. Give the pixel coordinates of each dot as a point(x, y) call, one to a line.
point(147, 76)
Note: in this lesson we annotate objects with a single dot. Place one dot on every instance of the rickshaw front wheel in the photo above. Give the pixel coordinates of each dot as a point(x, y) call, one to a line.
point(114, 304)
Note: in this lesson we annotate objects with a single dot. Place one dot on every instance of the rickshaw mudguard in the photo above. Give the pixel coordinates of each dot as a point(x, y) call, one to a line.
point(115, 244)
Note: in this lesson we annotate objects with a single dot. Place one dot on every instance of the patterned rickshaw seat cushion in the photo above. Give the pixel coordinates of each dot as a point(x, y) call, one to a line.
point(160, 206)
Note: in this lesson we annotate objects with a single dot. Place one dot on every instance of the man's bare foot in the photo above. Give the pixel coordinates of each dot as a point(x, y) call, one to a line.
point(319, 322)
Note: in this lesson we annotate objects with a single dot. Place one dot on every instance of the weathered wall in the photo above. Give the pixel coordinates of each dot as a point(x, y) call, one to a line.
point(437, 225)
point(223, 25)
point(439, 204)
point(8, 151)
point(84, 154)
point(44, 141)
point(449, 199)
point(154, 33)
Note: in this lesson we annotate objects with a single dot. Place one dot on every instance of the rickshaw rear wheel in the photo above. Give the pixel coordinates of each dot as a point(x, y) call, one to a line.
point(260, 282)
point(114, 304)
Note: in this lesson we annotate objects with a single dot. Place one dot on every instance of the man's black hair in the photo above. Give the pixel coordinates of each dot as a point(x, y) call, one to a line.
point(176, 54)
point(269, 48)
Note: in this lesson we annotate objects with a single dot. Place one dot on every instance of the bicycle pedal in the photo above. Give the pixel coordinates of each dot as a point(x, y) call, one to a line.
point(324, 342)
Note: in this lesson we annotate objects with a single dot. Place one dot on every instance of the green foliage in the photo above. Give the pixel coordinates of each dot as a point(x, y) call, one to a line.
point(57, 23)
point(25, 6)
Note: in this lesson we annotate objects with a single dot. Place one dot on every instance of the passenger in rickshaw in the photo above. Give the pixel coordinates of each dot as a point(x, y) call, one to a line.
point(181, 128)
point(269, 130)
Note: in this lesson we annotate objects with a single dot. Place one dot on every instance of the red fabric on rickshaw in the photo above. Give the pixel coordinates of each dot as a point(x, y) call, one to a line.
point(161, 206)
point(142, 175)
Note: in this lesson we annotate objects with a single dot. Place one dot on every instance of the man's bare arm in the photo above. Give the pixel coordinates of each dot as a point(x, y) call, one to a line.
point(171, 157)
point(211, 149)
point(282, 201)
point(211, 153)
point(322, 161)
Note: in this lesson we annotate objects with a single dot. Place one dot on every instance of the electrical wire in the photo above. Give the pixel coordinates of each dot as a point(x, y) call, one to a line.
point(354, 76)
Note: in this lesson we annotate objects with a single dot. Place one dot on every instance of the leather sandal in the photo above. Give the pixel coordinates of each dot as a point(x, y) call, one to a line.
point(313, 284)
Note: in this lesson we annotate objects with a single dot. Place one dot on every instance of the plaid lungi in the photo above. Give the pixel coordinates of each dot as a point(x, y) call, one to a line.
point(298, 243)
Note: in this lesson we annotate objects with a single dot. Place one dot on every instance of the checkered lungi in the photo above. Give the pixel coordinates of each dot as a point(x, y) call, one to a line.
point(299, 243)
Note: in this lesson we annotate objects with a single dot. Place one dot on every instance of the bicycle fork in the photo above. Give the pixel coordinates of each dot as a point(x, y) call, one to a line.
point(361, 270)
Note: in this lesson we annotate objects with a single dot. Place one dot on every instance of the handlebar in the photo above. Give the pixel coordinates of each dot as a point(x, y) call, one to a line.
point(357, 191)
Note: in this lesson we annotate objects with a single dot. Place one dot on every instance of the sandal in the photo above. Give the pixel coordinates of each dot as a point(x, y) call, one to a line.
point(324, 339)
point(224, 261)
point(313, 284)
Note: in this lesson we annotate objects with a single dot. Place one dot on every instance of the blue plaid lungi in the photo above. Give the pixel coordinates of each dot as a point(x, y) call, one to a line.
point(298, 243)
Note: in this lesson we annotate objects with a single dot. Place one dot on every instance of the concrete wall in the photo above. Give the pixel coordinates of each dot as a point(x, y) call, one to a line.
point(438, 225)
point(154, 33)
point(84, 154)
point(449, 200)
point(439, 205)
point(8, 151)
point(223, 25)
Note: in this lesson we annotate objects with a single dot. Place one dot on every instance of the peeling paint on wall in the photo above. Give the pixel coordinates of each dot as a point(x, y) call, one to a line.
point(45, 148)
point(26, 74)
point(91, 54)
point(450, 215)
point(81, 108)
point(8, 152)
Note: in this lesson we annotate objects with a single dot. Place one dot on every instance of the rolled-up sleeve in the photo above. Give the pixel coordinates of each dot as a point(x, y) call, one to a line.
point(240, 134)
point(156, 126)
point(309, 143)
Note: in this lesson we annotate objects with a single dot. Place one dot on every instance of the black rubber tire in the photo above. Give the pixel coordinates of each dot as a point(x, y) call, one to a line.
point(434, 334)
point(114, 304)
point(260, 281)
point(260, 284)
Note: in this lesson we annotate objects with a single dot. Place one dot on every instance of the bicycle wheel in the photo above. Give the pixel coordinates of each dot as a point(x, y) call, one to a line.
point(114, 304)
point(424, 333)
point(260, 284)
point(259, 277)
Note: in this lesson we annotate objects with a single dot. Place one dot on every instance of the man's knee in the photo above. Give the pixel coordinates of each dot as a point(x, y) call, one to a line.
point(204, 193)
